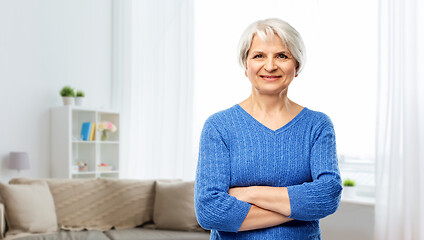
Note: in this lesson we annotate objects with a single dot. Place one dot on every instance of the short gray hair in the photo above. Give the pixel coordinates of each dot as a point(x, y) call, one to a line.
point(268, 27)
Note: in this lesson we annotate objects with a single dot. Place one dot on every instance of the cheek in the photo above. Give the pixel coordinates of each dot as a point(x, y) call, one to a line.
point(289, 69)
point(250, 72)
point(252, 69)
point(251, 75)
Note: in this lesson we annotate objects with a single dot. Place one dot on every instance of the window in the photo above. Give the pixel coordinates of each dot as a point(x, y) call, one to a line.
point(339, 78)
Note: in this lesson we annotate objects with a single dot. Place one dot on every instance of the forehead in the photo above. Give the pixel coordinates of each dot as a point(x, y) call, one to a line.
point(267, 43)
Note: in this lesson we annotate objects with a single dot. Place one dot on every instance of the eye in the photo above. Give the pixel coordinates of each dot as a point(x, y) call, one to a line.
point(282, 56)
point(258, 56)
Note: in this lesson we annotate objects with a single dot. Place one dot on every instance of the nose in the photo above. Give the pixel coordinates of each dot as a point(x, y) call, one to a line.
point(270, 65)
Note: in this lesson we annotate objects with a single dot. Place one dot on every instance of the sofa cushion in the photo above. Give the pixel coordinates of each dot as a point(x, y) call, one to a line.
point(29, 208)
point(150, 234)
point(134, 201)
point(68, 235)
point(174, 206)
point(100, 204)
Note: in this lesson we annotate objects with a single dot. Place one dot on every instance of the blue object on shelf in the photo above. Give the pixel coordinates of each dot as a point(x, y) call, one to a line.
point(85, 131)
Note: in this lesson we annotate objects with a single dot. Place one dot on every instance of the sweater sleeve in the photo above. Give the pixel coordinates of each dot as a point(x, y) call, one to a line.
point(321, 197)
point(215, 208)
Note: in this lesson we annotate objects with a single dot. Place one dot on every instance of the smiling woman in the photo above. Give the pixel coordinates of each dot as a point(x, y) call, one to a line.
point(339, 78)
point(267, 167)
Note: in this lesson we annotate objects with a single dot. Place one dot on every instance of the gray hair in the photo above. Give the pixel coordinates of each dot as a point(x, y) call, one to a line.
point(267, 28)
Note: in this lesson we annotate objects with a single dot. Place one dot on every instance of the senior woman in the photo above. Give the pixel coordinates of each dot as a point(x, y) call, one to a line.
point(267, 166)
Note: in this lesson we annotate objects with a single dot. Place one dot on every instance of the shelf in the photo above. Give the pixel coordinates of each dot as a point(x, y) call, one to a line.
point(89, 109)
point(78, 141)
point(106, 142)
point(97, 172)
point(106, 172)
point(68, 150)
point(83, 173)
point(366, 201)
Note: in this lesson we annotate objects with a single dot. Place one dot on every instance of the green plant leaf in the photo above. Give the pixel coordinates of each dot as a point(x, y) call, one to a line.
point(67, 91)
point(349, 183)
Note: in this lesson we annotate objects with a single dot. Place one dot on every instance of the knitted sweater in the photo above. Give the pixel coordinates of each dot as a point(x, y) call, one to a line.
point(238, 151)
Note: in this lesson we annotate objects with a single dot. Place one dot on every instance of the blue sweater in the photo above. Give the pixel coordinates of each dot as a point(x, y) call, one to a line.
point(238, 151)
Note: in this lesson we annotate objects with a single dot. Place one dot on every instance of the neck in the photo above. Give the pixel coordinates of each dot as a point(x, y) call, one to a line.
point(269, 104)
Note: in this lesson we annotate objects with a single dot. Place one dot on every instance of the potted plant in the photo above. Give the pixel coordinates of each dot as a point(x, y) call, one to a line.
point(68, 95)
point(79, 100)
point(349, 189)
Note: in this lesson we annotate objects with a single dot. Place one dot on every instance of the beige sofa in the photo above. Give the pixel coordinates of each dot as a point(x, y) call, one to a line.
point(98, 209)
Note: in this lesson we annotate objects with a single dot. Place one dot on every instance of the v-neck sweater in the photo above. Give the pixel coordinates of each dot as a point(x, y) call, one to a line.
point(236, 150)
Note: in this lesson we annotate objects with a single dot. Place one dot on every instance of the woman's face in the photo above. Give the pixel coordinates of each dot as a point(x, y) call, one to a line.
point(270, 67)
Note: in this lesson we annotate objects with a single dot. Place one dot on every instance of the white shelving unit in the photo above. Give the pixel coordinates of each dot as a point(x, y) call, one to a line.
point(67, 149)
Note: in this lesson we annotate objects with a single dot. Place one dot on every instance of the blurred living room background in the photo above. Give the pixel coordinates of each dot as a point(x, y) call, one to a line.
point(166, 65)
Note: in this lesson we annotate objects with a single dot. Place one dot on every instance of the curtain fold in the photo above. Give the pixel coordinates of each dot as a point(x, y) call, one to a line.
point(153, 87)
point(400, 122)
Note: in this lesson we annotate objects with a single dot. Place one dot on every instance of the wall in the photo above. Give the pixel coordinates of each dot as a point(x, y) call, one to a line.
point(45, 45)
point(352, 221)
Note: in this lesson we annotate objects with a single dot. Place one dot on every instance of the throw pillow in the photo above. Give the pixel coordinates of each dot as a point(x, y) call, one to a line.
point(174, 206)
point(29, 208)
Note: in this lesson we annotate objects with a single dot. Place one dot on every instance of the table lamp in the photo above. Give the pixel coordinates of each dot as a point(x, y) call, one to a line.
point(18, 161)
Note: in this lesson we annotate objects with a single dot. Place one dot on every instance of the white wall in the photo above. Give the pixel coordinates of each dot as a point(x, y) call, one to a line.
point(352, 221)
point(44, 45)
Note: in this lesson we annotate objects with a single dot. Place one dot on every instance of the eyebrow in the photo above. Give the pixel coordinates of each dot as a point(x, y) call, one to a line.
point(282, 52)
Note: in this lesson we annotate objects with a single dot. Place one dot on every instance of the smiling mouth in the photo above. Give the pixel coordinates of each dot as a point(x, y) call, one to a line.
point(270, 78)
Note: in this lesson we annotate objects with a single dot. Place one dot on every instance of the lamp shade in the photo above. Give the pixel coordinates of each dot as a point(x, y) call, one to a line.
point(18, 160)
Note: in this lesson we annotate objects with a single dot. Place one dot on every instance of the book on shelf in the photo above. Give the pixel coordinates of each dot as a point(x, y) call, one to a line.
point(85, 131)
point(93, 131)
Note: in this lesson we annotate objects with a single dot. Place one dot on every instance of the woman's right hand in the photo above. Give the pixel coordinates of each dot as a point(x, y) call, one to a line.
point(241, 193)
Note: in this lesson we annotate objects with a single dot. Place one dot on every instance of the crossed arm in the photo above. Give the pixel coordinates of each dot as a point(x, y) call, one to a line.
point(270, 206)
point(265, 206)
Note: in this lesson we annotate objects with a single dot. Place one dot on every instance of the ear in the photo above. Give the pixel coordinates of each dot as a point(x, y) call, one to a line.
point(297, 70)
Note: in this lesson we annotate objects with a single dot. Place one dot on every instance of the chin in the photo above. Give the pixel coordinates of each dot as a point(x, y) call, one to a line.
point(269, 91)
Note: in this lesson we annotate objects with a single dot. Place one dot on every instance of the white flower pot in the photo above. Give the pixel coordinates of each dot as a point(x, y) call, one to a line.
point(349, 192)
point(68, 100)
point(79, 101)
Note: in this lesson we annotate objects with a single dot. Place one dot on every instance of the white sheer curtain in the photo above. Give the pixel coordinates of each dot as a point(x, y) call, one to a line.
point(152, 85)
point(400, 128)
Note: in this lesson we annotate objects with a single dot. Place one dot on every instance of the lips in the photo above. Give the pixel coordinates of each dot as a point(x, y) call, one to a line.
point(270, 78)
